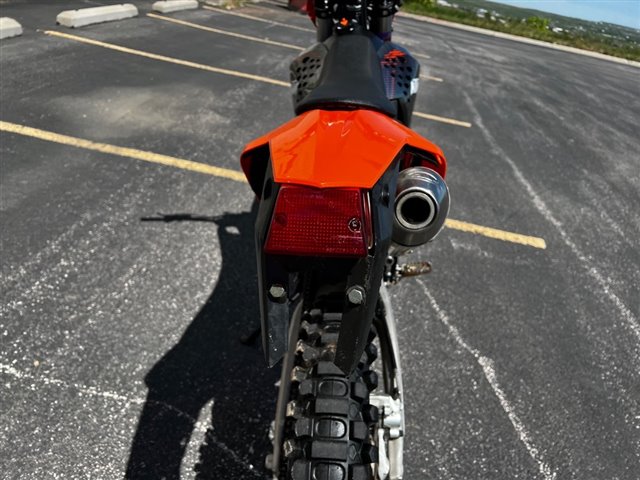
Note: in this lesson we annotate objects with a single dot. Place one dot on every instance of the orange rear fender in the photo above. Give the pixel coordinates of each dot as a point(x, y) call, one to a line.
point(324, 149)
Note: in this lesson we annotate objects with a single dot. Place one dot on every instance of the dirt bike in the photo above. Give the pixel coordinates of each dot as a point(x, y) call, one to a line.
point(344, 189)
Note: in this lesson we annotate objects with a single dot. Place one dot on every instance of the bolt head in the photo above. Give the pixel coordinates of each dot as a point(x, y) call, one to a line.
point(277, 291)
point(355, 295)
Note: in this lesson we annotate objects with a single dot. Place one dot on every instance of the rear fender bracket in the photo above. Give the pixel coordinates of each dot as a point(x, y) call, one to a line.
point(367, 274)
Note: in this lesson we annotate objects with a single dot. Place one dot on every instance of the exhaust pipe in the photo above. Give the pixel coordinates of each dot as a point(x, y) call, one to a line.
point(421, 207)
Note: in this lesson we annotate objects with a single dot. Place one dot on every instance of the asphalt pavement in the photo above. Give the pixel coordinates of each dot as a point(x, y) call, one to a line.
point(119, 332)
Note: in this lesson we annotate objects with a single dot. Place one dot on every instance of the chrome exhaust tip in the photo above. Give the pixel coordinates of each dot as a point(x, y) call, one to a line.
point(421, 207)
point(416, 210)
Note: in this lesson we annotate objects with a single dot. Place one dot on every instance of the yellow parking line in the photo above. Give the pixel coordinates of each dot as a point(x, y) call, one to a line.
point(535, 242)
point(121, 151)
point(224, 32)
point(163, 58)
point(229, 174)
point(281, 24)
point(222, 71)
point(295, 27)
point(436, 118)
point(420, 55)
point(248, 37)
point(257, 19)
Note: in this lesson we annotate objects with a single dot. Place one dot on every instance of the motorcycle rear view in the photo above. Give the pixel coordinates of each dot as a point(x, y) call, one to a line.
point(344, 189)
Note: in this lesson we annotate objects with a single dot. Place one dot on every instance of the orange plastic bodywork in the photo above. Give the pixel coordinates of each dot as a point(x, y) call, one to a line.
point(324, 149)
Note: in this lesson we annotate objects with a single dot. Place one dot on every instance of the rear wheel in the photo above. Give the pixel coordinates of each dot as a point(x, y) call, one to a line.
point(329, 425)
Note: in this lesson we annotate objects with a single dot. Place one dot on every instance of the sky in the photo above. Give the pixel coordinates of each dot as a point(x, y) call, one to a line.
point(620, 12)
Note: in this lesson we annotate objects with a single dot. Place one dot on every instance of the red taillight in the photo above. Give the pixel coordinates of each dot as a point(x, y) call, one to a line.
point(323, 222)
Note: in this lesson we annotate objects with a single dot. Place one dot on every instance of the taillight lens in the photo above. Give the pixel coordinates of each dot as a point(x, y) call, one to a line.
point(321, 222)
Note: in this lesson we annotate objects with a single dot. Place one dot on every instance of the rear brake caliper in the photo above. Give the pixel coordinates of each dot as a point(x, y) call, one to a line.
point(390, 429)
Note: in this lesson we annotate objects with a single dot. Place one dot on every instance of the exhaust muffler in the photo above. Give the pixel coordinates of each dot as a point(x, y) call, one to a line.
point(421, 207)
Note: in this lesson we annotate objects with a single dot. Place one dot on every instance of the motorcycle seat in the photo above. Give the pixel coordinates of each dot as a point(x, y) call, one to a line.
point(351, 78)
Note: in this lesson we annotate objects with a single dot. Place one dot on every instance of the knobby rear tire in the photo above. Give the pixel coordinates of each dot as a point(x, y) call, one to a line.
point(329, 425)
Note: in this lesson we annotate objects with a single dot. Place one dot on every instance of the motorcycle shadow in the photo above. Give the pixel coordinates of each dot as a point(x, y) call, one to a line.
point(210, 365)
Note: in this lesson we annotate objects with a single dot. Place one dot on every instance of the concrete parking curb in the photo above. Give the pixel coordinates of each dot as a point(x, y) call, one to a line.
point(515, 38)
point(9, 28)
point(90, 16)
point(168, 6)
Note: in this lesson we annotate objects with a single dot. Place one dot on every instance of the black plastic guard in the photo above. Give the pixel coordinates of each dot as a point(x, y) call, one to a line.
point(399, 69)
point(274, 314)
point(399, 72)
point(368, 272)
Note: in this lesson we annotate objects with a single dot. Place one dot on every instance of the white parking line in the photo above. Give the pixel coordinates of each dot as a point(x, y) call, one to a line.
point(545, 211)
point(34, 382)
point(488, 369)
point(82, 390)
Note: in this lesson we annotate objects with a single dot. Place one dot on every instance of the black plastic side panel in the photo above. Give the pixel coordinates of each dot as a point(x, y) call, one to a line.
point(274, 315)
point(401, 74)
point(304, 71)
point(356, 320)
point(399, 69)
point(258, 159)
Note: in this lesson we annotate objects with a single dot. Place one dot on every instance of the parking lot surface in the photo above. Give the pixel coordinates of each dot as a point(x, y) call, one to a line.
point(120, 350)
